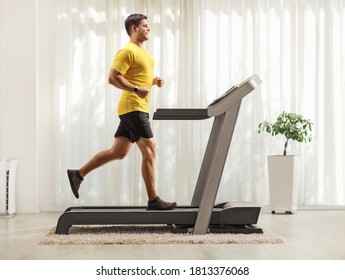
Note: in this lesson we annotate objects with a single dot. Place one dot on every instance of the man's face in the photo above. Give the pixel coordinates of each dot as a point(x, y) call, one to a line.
point(142, 31)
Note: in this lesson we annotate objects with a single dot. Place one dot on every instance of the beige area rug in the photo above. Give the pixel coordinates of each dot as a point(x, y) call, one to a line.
point(139, 235)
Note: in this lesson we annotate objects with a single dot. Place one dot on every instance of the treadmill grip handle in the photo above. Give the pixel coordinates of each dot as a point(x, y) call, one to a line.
point(180, 114)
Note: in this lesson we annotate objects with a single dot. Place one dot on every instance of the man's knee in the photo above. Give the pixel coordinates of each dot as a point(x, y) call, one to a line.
point(120, 149)
point(152, 150)
point(148, 148)
point(120, 154)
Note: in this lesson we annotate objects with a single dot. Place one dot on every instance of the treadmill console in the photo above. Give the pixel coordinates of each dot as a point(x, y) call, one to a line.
point(231, 90)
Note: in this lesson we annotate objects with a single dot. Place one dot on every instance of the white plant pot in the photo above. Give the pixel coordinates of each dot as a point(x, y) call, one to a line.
point(282, 183)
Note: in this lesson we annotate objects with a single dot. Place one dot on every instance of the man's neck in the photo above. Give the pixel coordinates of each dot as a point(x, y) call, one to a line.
point(136, 42)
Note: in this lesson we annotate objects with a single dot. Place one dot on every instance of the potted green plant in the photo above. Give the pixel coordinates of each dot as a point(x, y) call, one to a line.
point(282, 169)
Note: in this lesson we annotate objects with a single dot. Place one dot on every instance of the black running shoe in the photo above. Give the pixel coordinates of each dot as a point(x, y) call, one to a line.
point(160, 204)
point(74, 181)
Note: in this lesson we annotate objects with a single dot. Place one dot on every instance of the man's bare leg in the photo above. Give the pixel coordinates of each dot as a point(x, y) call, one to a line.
point(147, 147)
point(119, 150)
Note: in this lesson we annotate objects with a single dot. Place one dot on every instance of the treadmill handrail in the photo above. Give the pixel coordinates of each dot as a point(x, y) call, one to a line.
point(216, 108)
point(180, 114)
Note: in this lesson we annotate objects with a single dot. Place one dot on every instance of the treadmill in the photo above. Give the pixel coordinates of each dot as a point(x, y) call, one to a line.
point(202, 216)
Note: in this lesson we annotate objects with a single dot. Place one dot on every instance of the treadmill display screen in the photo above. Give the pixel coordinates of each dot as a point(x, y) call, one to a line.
point(224, 95)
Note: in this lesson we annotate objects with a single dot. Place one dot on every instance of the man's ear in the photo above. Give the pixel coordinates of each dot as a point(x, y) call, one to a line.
point(134, 28)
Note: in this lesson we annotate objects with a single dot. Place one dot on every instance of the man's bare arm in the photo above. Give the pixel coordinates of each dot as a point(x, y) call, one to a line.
point(116, 79)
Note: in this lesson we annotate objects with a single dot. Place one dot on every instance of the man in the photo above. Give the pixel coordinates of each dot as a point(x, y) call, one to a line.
point(131, 71)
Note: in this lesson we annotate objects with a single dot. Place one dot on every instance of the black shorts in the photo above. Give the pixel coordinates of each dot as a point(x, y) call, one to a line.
point(134, 125)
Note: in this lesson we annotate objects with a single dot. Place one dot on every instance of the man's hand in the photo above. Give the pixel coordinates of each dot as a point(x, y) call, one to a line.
point(158, 81)
point(142, 92)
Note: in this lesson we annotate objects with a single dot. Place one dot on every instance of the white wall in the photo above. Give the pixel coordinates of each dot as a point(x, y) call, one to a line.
point(18, 96)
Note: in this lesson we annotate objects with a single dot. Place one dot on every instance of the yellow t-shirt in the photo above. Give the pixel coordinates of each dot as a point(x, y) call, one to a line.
point(136, 65)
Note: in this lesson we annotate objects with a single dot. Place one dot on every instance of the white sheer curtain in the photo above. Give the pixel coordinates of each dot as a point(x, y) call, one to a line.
point(201, 48)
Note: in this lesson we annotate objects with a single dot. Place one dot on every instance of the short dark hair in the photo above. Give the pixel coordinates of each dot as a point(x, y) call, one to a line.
point(135, 20)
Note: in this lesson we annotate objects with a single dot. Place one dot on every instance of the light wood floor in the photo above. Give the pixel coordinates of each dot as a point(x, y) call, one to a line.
point(312, 235)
